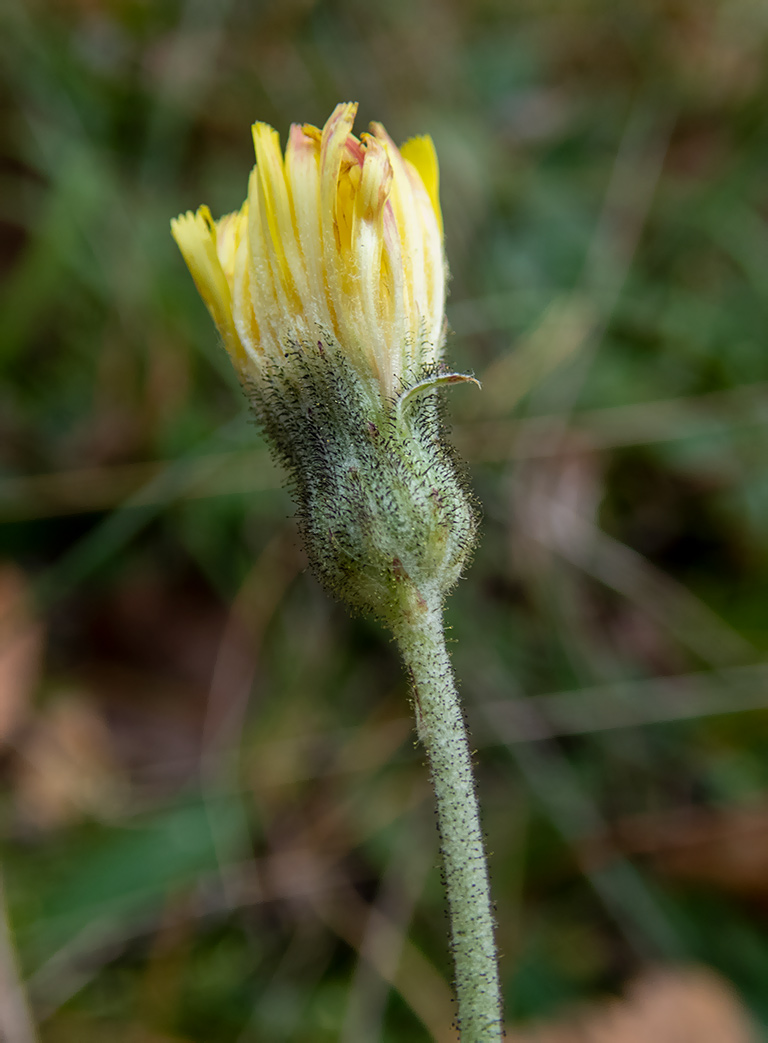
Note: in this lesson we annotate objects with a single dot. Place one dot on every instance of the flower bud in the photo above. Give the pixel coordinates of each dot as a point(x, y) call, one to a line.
point(328, 290)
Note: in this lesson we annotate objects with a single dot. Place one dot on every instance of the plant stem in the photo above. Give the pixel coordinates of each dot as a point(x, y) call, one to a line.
point(441, 729)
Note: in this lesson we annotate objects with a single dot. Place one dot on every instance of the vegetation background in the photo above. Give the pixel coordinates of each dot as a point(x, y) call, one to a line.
point(216, 827)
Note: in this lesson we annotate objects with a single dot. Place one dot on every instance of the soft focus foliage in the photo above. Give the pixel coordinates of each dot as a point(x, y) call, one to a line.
point(215, 825)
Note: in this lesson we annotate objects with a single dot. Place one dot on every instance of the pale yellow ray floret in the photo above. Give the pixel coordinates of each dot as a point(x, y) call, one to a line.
point(420, 152)
point(340, 240)
point(198, 237)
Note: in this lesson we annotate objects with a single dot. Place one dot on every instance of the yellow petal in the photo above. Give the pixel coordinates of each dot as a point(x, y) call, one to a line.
point(421, 153)
point(276, 206)
point(196, 237)
point(229, 232)
point(409, 221)
point(302, 171)
point(334, 139)
point(268, 293)
point(376, 181)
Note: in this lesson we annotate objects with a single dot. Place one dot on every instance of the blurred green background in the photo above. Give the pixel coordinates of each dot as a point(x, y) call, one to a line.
point(216, 826)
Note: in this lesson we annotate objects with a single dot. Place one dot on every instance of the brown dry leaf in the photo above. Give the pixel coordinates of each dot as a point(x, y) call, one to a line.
point(21, 647)
point(664, 1005)
point(66, 767)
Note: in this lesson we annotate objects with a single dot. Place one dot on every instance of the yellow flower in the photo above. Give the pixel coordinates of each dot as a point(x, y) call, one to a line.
point(340, 241)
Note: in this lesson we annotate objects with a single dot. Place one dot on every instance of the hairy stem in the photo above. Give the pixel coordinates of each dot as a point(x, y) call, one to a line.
point(442, 731)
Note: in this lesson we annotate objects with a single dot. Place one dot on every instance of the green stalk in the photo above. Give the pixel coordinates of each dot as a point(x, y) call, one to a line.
point(442, 731)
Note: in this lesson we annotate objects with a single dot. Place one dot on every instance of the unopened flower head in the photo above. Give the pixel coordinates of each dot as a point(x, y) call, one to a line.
point(328, 289)
point(339, 240)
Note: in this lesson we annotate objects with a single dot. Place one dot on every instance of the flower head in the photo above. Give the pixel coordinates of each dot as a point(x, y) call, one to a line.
point(328, 289)
point(340, 240)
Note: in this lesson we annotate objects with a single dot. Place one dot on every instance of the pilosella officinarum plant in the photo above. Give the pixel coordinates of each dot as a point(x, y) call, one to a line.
point(328, 290)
